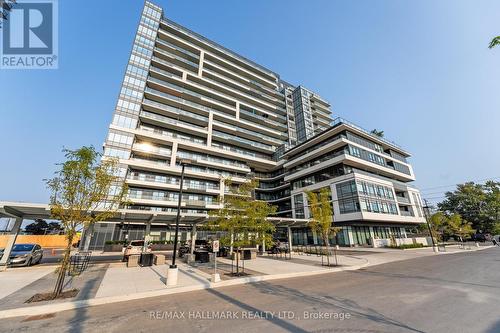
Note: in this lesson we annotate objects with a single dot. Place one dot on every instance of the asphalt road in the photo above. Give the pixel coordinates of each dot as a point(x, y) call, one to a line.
point(446, 293)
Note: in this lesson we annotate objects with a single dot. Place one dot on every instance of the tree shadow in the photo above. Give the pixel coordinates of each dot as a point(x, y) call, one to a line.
point(87, 292)
point(346, 305)
point(247, 307)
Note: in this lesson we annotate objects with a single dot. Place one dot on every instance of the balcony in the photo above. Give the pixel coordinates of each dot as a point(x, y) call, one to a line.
point(166, 120)
point(175, 47)
point(176, 111)
point(176, 136)
point(403, 200)
point(263, 119)
point(253, 134)
point(171, 57)
point(246, 142)
point(150, 149)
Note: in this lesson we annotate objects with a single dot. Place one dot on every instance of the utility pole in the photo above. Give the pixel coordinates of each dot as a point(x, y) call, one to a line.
point(427, 218)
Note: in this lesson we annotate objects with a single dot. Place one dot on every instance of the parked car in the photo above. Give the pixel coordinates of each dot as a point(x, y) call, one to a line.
point(25, 255)
point(134, 247)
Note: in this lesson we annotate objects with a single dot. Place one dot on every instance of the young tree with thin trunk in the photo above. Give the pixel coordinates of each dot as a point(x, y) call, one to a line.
point(321, 220)
point(85, 190)
point(243, 218)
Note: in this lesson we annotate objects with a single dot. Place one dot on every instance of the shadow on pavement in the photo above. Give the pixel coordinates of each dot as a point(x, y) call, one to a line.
point(326, 302)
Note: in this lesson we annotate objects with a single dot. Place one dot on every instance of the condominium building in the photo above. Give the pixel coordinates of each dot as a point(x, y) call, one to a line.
point(186, 97)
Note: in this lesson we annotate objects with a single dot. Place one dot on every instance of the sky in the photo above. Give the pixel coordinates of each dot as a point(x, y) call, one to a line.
point(418, 70)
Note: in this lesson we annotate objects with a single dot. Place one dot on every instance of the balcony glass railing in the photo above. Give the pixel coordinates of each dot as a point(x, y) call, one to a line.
point(242, 140)
point(402, 199)
point(177, 99)
point(339, 120)
point(164, 119)
point(152, 149)
point(168, 54)
point(240, 151)
point(170, 64)
point(190, 92)
point(172, 135)
point(208, 158)
point(406, 213)
point(253, 115)
point(253, 133)
point(175, 110)
point(170, 198)
point(159, 162)
point(186, 52)
point(173, 181)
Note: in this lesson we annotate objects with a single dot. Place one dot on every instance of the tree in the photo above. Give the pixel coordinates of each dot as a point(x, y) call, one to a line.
point(377, 133)
point(85, 190)
point(494, 42)
point(459, 227)
point(450, 225)
point(476, 203)
point(41, 227)
point(243, 218)
point(321, 219)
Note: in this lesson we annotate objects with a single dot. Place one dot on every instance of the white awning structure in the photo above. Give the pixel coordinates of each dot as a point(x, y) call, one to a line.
point(32, 211)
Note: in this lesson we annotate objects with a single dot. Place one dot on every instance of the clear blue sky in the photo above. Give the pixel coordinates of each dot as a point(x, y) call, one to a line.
point(419, 70)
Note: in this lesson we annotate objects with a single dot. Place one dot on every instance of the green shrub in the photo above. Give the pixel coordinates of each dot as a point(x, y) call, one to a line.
point(110, 242)
point(407, 246)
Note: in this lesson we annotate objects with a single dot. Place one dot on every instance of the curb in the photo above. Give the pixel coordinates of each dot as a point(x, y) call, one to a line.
point(51, 308)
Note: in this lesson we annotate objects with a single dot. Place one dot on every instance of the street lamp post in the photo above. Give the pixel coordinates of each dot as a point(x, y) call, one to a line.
point(172, 271)
point(426, 213)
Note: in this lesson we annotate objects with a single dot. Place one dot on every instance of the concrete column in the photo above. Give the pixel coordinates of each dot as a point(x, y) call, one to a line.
point(146, 236)
point(403, 233)
point(237, 110)
point(289, 229)
point(372, 235)
point(10, 243)
point(174, 154)
point(89, 231)
point(348, 236)
point(184, 76)
point(315, 237)
point(194, 233)
point(263, 246)
point(209, 129)
point(200, 65)
point(222, 187)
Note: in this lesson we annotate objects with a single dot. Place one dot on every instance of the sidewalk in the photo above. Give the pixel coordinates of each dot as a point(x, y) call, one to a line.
point(117, 283)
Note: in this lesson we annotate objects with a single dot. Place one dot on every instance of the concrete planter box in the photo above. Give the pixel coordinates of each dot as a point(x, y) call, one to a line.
point(162, 247)
point(113, 248)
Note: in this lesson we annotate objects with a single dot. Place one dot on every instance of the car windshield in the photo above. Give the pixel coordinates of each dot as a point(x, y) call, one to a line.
point(137, 243)
point(23, 247)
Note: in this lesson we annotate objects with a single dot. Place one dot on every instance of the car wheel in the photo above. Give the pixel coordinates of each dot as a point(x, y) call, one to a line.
point(39, 260)
point(28, 264)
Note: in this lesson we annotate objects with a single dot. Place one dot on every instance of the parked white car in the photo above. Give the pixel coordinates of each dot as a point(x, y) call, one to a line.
point(134, 247)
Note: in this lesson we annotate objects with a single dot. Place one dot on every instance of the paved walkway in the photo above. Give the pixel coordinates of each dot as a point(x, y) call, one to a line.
point(124, 280)
point(14, 279)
